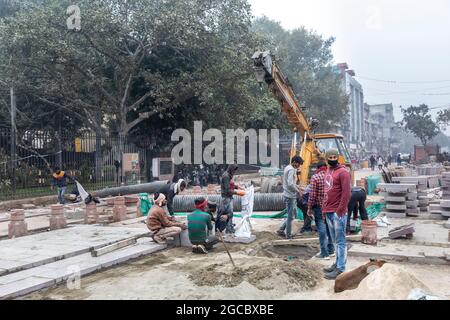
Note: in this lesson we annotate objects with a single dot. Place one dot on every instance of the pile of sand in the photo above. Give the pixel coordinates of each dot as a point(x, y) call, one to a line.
point(263, 273)
point(390, 282)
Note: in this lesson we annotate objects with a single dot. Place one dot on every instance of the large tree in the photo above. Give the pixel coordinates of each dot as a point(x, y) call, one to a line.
point(418, 121)
point(132, 60)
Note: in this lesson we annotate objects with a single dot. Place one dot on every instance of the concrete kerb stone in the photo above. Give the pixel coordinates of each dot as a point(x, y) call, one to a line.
point(17, 226)
point(120, 209)
point(57, 218)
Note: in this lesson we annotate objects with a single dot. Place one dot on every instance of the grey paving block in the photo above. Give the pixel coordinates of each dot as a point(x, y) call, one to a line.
point(447, 224)
point(396, 207)
point(19, 275)
point(24, 286)
point(445, 204)
point(412, 203)
point(395, 215)
point(395, 199)
point(445, 214)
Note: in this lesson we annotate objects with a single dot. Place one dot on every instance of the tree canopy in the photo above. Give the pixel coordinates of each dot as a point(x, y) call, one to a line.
point(418, 121)
point(144, 68)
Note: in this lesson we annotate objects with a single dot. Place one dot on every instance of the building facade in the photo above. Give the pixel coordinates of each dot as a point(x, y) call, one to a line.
point(381, 129)
point(353, 126)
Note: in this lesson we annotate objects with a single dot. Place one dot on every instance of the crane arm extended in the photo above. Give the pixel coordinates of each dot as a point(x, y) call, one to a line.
point(268, 71)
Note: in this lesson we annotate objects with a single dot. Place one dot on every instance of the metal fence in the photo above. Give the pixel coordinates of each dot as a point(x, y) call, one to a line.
point(94, 161)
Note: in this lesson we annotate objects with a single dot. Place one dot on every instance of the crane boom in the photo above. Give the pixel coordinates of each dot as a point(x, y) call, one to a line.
point(313, 146)
point(268, 71)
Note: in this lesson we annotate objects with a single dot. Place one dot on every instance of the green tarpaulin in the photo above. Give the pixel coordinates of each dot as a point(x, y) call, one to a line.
point(372, 183)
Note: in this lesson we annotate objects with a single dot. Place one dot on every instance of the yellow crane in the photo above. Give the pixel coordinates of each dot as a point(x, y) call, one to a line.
point(313, 146)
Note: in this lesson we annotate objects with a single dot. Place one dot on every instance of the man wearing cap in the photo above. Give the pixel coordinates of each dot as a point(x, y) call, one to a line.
point(335, 206)
point(163, 227)
point(290, 192)
point(199, 227)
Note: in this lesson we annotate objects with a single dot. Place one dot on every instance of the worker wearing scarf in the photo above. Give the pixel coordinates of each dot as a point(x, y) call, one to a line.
point(163, 227)
point(199, 227)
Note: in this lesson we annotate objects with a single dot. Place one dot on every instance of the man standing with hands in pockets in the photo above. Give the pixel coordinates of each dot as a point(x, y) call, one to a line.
point(335, 207)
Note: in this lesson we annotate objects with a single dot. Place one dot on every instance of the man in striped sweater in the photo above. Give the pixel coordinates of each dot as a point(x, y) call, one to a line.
point(199, 227)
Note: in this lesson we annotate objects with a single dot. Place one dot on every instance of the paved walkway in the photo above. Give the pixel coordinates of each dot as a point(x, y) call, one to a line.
point(43, 260)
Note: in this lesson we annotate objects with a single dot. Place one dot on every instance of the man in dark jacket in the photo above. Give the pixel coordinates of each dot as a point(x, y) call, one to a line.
point(60, 182)
point(227, 192)
point(357, 203)
point(170, 190)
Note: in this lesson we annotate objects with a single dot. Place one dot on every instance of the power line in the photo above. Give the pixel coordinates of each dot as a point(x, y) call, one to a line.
point(401, 82)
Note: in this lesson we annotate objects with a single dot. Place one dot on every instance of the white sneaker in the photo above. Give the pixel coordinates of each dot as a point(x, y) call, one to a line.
point(333, 255)
point(320, 257)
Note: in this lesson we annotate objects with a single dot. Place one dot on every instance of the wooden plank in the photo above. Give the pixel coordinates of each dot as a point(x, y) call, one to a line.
point(115, 246)
point(304, 241)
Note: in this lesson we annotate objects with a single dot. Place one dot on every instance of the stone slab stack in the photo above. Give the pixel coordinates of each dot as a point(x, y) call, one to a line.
point(445, 208)
point(445, 185)
point(412, 201)
point(429, 170)
point(400, 199)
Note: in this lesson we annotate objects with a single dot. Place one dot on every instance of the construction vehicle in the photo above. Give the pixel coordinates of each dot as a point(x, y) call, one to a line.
point(313, 146)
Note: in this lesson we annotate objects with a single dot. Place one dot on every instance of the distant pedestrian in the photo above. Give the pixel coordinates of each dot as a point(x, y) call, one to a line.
point(373, 162)
point(60, 182)
point(390, 159)
point(399, 159)
point(380, 163)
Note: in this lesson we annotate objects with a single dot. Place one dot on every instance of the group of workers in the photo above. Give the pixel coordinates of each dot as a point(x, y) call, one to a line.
point(330, 201)
point(164, 226)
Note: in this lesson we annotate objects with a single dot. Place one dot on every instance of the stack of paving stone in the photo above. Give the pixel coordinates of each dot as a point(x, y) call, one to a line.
point(414, 205)
point(400, 199)
point(429, 170)
point(446, 186)
point(442, 209)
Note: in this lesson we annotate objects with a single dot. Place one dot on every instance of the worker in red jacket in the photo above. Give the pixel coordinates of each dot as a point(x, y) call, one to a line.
point(335, 207)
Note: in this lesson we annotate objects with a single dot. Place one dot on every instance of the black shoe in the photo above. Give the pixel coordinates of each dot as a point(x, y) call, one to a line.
point(281, 233)
point(289, 237)
point(333, 274)
point(330, 269)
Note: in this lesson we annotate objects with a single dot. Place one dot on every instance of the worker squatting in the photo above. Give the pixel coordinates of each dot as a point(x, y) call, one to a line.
point(329, 199)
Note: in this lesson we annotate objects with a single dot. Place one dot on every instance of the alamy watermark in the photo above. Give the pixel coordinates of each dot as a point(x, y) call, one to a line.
point(227, 149)
point(74, 19)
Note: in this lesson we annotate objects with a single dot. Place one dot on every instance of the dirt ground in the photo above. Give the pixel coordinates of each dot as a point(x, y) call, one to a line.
point(262, 273)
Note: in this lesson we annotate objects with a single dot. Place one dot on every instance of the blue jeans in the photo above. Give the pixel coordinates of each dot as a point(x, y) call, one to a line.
point(326, 242)
point(337, 228)
point(61, 191)
point(291, 206)
point(227, 208)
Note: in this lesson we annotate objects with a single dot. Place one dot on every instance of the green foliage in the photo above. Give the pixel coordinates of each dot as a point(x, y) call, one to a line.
point(418, 121)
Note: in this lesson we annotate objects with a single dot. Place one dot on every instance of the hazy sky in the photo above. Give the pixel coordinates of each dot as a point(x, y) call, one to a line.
point(391, 40)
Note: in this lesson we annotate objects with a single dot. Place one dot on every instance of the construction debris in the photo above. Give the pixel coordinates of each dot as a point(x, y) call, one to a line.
point(403, 231)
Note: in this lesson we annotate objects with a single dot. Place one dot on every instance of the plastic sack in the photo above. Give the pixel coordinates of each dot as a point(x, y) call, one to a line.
point(243, 230)
point(419, 294)
point(81, 191)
